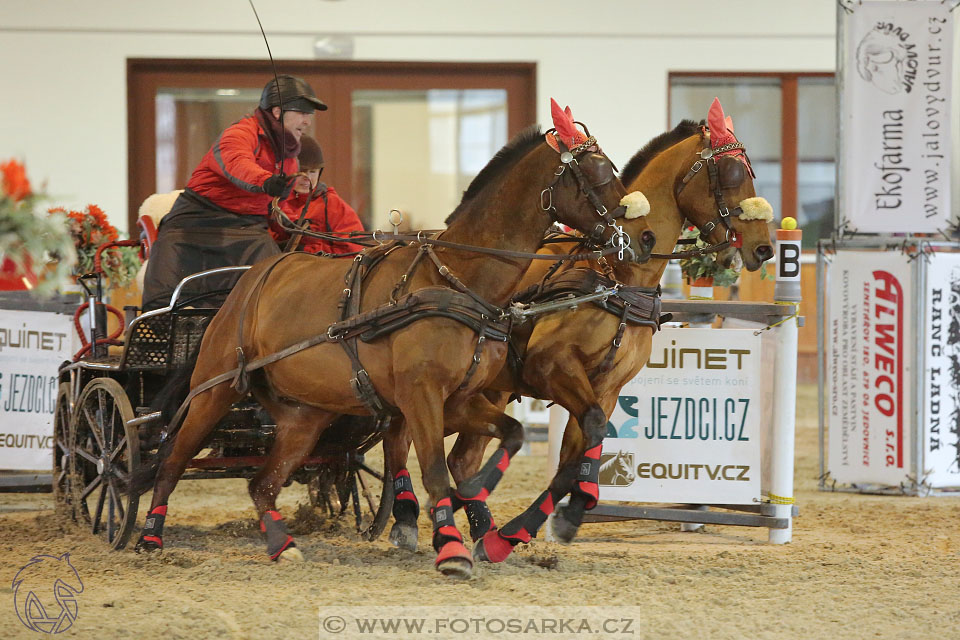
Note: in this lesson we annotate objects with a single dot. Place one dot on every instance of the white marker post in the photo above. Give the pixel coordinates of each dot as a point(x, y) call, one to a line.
point(787, 291)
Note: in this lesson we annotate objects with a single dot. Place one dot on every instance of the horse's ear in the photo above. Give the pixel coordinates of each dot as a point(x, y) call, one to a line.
point(729, 122)
point(563, 123)
point(719, 133)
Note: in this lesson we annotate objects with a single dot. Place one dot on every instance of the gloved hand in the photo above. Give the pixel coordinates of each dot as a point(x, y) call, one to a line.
point(278, 186)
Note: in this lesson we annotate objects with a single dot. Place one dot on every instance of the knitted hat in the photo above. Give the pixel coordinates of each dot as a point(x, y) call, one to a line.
point(311, 156)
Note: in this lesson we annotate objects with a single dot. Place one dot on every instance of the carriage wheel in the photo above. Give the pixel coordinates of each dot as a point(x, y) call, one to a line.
point(62, 417)
point(343, 484)
point(105, 454)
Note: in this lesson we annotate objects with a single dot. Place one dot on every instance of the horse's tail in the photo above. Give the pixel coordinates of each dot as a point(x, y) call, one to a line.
point(167, 401)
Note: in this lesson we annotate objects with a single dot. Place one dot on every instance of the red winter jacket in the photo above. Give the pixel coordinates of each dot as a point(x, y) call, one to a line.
point(232, 172)
point(336, 215)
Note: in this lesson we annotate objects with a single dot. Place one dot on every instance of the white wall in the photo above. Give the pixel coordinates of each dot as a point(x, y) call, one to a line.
point(63, 79)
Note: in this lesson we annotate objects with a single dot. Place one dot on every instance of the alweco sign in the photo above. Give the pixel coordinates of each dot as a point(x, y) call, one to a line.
point(895, 145)
point(32, 346)
point(687, 427)
point(869, 367)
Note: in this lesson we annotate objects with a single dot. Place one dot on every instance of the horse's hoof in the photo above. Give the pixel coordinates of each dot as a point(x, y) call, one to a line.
point(290, 554)
point(404, 536)
point(148, 546)
point(561, 529)
point(454, 560)
point(492, 547)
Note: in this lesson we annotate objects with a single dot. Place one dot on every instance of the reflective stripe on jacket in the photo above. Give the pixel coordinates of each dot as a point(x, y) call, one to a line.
point(232, 172)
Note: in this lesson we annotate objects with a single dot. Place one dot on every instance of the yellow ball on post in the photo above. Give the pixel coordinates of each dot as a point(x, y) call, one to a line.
point(788, 223)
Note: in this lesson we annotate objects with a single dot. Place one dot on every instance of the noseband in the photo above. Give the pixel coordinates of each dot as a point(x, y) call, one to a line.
point(568, 159)
point(708, 158)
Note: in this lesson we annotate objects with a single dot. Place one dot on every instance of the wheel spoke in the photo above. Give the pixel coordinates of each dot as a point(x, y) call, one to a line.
point(98, 512)
point(366, 493)
point(89, 457)
point(92, 422)
point(115, 495)
point(90, 487)
point(375, 474)
point(63, 446)
point(120, 447)
point(111, 525)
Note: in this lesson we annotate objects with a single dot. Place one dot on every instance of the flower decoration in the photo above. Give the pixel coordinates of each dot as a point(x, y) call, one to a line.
point(706, 265)
point(16, 185)
point(89, 229)
point(34, 248)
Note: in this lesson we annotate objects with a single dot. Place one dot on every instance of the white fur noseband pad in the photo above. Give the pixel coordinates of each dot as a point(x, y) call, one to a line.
point(636, 203)
point(756, 208)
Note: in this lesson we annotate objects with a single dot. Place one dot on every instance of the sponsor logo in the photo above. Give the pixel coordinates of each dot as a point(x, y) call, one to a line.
point(887, 59)
point(45, 594)
point(616, 469)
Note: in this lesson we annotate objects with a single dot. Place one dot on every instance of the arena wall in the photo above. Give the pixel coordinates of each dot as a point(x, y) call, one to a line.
point(63, 107)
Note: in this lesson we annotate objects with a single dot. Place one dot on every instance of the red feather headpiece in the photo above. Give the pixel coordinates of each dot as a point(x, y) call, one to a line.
point(721, 128)
point(567, 131)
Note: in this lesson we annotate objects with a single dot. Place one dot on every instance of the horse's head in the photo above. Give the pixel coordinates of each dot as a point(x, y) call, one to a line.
point(586, 194)
point(717, 194)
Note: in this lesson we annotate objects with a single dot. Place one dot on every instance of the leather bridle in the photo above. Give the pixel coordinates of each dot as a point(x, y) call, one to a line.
point(568, 159)
point(708, 157)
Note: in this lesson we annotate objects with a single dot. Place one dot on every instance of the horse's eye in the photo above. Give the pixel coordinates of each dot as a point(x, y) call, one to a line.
point(598, 169)
point(732, 173)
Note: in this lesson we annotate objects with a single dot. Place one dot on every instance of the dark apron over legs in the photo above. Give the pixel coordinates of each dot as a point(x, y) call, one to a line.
point(195, 236)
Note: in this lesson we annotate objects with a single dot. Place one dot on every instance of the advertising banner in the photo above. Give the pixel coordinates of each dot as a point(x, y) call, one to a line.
point(941, 382)
point(687, 427)
point(870, 357)
point(896, 123)
point(33, 345)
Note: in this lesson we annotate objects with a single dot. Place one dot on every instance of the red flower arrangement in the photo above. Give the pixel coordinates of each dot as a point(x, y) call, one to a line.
point(89, 229)
point(16, 185)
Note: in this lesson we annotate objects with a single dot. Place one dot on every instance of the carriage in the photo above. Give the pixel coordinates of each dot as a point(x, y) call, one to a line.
point(105, 428)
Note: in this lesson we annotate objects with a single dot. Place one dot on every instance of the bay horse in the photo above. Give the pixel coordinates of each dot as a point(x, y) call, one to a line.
point(689, 173)
point(427, 364)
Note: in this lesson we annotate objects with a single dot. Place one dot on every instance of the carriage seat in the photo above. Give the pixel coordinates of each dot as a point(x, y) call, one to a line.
point(148, 219)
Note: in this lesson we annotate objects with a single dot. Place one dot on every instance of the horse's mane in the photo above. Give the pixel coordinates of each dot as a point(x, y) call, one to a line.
point(652, 149)
point(521, 144)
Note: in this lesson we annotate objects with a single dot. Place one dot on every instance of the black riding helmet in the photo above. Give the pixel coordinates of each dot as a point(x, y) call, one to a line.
point(296, 94)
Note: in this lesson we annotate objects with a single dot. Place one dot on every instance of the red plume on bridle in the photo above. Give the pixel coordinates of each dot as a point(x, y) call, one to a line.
point(566, 129)
point(721, 128)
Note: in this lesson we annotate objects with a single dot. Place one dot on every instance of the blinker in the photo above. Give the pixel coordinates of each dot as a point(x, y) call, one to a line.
point(732, 172)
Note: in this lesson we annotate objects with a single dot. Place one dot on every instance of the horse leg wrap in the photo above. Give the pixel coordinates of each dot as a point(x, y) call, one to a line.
point(589, 477)
point(278, 539)
point(406, 507)
point(482, 483)
point(498, 544)
point(480, 518)
point(152, 536)
point(447, 541)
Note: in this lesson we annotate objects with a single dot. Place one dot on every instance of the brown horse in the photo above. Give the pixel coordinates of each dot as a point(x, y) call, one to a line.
point(565, 349)
point(420, 368)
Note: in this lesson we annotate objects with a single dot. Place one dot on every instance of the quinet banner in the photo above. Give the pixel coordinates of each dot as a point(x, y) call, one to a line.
point(687, 427)
point(33, 345)
point(870, 376)
point(895, 133)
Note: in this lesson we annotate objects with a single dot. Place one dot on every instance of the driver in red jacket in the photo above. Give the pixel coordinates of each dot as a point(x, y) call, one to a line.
point(326, 211)
point(221, 217)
